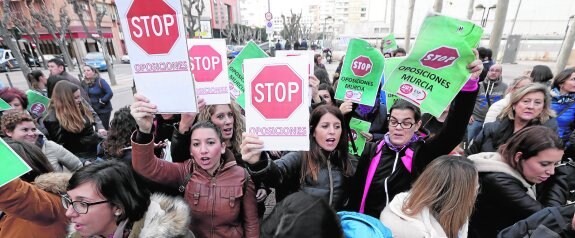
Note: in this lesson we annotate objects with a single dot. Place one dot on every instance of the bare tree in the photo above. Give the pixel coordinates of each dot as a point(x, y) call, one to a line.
point(305, 32)
point(409, 23)
point(101, 11)
point(8, 39)
point(45, 16)
point(28, 27)
point(291, 27)
point(193, 23)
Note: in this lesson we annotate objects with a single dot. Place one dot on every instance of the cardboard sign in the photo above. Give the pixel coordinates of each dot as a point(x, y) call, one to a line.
point(276, 110)
point(37, 103)
point(236, 73)
point(209, 65)
point(156, 40)
point(436, 68)
point(357, 126)
point(12, 165)
point(4, 105)
point(360, 73)
point(307, 53)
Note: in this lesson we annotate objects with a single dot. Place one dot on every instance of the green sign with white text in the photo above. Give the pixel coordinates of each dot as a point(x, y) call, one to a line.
point(236, 73)
point(390, 66)
point(360, 74)
point(389, 43)
point(436, 68)
point(4, 105)
point(357, 126)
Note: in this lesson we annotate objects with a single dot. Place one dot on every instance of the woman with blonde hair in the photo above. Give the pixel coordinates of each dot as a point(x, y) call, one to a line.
point(496, 108)
point(528, 106)
point(440, 202)
point(70, 122)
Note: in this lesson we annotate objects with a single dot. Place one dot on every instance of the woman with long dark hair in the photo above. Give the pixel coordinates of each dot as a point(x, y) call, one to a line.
point(322, 171)
point(100, 94)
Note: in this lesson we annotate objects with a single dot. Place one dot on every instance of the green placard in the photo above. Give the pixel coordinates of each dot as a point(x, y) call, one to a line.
point(360, 74)
point(357, 126)
point(236, 73)
point(4, 105)
point(390, 65)
point(389, 43)
point(11, 165)
point(436, 68)
point(37, 103)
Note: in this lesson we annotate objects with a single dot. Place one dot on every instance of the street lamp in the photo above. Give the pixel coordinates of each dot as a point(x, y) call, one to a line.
point(483, 17)
point(325, 27)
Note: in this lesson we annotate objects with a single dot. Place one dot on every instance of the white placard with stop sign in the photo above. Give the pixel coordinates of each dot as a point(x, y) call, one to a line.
point(209, 65)
point(308, 53)
point(276, 108)
point(155, 37)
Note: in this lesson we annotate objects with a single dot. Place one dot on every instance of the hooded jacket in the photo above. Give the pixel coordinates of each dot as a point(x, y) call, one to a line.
point(167, 217)
point(490, 91)
point(506, 197)
point(222, 205)
point(422, 224)
point(498, 132)
point(392, 175)
point(34, 210)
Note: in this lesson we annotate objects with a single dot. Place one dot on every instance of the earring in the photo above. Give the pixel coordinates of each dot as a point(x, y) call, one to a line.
point(118, 213)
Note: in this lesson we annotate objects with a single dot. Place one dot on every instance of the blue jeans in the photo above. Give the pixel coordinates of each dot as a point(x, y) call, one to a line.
point(473, 130)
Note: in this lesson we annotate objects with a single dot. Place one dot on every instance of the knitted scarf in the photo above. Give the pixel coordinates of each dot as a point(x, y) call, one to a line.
point(413, 139)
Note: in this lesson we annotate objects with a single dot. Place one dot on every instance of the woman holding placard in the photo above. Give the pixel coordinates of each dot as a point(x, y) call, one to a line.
point(323, 171)
point(390, 166)
point(220, 193)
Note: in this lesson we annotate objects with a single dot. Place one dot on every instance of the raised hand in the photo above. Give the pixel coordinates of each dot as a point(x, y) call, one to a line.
point(143, 111)
point(251, 148)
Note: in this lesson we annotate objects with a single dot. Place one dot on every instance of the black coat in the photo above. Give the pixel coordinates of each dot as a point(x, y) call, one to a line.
point(424, 152)
point(83, 144)
point(549, 222)
point(503, 201)
point(284, 175)
point(497, 133)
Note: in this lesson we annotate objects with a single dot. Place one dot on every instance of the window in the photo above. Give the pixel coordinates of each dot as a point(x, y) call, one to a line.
point(363, 15)
point(363, 9)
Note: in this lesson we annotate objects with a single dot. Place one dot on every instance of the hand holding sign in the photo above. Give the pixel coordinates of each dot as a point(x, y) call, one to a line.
point(187, 119)
point(143, 112)
point(251, 148)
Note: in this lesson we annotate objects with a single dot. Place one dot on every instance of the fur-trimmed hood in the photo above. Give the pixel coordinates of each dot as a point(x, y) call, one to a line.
point(55, 183)
point(166, 217)
point(493, 162)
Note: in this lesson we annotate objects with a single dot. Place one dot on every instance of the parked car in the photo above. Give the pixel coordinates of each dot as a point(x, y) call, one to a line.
point(96, 60)
point(7, 61)
point(235, 50)
point(125, 59)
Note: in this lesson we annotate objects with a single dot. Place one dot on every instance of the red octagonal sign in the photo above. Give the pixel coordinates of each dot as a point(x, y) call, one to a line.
point(277, 92)
point(361, 66)
point(440, 57)
point(205, 63)
point(153, 26)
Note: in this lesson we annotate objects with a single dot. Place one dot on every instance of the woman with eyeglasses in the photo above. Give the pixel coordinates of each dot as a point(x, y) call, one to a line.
point(389, 166)
point(518, 180)
point(107, 200)
point(528, 106)
point(30, 205)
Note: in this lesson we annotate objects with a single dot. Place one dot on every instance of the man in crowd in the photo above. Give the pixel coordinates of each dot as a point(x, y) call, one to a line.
point(56, 67)
point(491, 90)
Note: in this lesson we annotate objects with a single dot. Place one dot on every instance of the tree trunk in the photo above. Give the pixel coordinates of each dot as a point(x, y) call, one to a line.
point(470, 8)
point(438, 6)
point(111, 73)
point(497, 32)
point(66, 54)
point(392, 18)
point(17, 54)
point(409, 23)
point(566, 49)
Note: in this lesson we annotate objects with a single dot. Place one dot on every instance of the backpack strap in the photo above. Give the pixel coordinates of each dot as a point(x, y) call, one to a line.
point(565, 109)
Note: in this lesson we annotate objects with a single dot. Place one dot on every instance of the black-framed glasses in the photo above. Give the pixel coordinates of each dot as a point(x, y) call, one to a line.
point(79, 206)
point(403, 124)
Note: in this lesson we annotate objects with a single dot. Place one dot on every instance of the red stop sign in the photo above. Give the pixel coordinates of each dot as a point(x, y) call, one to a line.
point(361, 66)
point(440, 57)
point(153, 26)
point(277, 97)
point(205, 63)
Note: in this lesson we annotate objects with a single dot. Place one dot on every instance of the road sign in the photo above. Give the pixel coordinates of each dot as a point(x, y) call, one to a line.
point(153, 25)
point(275, 107)
point(440, 57)
point(361, 66)
point(269, 16)
point(154, 35)
point(208, 63)
point(269, 27)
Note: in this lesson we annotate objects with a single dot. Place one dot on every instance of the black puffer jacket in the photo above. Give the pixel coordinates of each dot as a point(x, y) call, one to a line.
point(497, 133)
point(284, 175)
point(387, 181)
point(549, 222)
point(506, 197)
point(83, 144)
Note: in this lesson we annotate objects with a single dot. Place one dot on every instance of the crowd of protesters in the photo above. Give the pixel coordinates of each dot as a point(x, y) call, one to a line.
point(497, 162)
